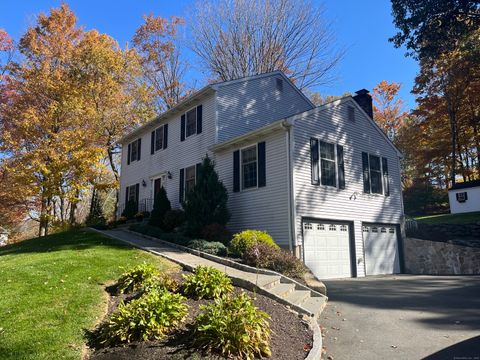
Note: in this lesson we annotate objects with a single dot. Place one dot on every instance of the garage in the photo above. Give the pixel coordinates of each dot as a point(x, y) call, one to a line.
point(327, 248)
point(381, 249)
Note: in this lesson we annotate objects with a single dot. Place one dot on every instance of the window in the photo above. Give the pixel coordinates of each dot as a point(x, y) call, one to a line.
point(249, 167)
point(320, 227)
point(191, 127)
point(308, 226)
point(365, 229)
point(375, 175)
point(374, 230)
point(190, 173)
point(327, 159)
point(383, 230)
point(332, 227)
point(391, 231)
point(343, 228)
point(327, 164)
point(132, 193)
point(134, 151)
point(159, 138)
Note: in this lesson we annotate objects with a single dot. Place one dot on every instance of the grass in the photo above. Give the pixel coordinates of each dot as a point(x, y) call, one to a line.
point(53, 290)
point(466, 218)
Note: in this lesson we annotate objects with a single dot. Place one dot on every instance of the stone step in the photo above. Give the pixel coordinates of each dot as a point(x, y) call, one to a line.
point(268, 281)
point(314, 304)
point(282, 290)
point(297, 297)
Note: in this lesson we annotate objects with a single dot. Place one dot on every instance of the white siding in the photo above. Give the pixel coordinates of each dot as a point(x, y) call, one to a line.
point(472, 204)
point(264, 208)
point(177, 155)
point(251, 104)
point(330, 124)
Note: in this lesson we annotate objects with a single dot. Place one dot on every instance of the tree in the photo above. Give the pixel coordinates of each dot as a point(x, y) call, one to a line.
point(161, 205)
point(206, 203)
point(388, 110)
point(164, 69)
point(6, 49)
point(429, 28)
point(238, 38)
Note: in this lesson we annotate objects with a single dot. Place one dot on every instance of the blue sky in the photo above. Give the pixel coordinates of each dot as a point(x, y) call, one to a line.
point(361, 27)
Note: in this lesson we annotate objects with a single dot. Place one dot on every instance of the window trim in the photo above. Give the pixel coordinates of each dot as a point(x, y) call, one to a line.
point(242, 188)
point(138, 144)
point(335, 161)
point(380, 171)
point(162, 127)
point(130, 187)
point(194, 109)
point(185, 178)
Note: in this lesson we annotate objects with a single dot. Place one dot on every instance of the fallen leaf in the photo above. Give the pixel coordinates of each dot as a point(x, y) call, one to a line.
point(307, 347)
point(330, 357)
point(393, 346)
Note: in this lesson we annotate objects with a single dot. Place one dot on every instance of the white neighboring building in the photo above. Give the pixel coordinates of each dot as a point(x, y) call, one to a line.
point(464, 197)
point(323, 181)
point(3, 236)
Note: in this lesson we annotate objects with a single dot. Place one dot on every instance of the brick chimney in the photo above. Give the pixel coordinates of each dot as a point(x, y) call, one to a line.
point(364, 99)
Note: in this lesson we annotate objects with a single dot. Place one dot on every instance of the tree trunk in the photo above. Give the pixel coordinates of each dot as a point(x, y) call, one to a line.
point(73, 209)
point(115, 173)
point(453, 126)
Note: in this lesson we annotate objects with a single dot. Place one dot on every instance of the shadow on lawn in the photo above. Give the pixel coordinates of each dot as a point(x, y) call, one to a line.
point(81, 239)
point(453, 301)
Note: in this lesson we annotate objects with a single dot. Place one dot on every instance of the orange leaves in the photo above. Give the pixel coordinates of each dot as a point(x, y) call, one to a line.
point(388, 108)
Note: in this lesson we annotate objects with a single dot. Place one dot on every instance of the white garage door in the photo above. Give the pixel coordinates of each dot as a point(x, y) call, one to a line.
point(327, 249)
point(381, 249)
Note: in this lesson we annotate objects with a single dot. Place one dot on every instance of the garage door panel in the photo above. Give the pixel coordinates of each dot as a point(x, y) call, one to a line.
point(381, 249)
point(327, 249)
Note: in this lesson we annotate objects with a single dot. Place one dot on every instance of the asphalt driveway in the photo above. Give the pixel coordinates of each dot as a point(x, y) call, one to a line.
point(402, 317)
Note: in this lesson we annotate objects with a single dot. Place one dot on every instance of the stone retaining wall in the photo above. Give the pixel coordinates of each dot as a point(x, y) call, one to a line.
point(438, 258)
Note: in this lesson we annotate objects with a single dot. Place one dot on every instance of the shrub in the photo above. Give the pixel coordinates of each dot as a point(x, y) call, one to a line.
point(216, 232)
point(149, 317)
point(122, 220)
point(173, 219)
point(162, 282)
point(264, 256)
point(234, 327)
point(206, 282)
point(210, 247)
point(139, 216)
point(207, 202)
point(131, 208)
point(161, 205)
point(137, 277)
point(242, 241)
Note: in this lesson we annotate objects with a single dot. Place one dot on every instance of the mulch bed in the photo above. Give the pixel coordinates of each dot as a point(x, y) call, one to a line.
point(291, 338)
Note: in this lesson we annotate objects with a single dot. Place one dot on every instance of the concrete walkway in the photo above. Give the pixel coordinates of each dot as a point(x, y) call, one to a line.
point(277, 287)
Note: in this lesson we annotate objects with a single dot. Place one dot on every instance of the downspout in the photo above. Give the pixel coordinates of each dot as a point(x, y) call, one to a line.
point(291, 219)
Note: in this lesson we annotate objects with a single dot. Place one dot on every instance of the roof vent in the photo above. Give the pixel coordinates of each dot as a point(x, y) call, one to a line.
point(279, 84)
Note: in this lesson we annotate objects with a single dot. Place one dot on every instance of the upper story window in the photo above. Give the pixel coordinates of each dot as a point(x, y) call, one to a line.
point(134, 151)
point(249, 167)
point(159, 139)
point(375, 174)
point(191, 122)
point(327, 164)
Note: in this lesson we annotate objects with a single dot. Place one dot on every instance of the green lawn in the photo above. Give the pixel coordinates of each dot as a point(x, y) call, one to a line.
point(450, 218)
point(53, 289)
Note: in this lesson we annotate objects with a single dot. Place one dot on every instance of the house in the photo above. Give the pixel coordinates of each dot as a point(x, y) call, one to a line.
point(464, 197)
point(323, 181)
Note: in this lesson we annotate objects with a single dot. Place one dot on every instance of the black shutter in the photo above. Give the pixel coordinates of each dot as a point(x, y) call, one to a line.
point(236, 171)
point(129, 150)
point(314, 161)
point(262, 173)
point(199, 119)
point(126, 196)
point(466, 196)
point(137, 195)
point(181, 189)
point(182, 128)
point(152, 145)
point(341, 167)
point(386, 183)
point(165, 136)
point(366, 173)
point(139, 151)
